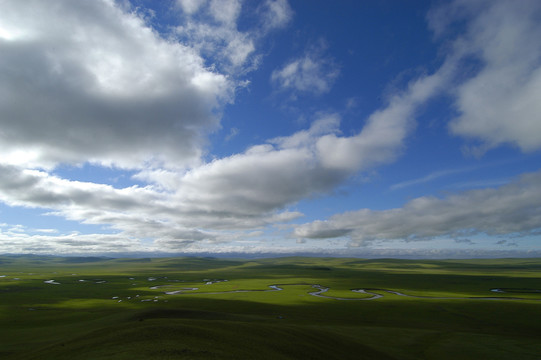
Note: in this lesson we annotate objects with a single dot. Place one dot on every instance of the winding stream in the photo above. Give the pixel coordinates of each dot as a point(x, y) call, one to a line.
point(320, 290)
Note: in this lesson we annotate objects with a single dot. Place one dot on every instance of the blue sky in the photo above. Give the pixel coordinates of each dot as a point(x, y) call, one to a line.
point(382, 128)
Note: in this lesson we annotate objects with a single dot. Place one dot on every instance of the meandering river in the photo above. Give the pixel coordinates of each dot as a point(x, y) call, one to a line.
point(374, 292)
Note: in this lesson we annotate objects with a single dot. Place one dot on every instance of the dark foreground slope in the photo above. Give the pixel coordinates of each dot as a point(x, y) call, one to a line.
point(96, 308)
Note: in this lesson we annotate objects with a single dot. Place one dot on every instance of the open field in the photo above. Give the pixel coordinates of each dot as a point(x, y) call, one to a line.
point(202, 308)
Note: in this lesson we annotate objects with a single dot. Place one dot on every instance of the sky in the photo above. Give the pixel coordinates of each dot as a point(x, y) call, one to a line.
point(350, 128)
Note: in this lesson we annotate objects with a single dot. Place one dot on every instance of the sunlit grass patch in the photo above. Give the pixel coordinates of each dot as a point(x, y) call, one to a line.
point(88, 304)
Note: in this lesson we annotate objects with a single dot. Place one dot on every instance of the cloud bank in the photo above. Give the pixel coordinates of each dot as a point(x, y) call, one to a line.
point(242, 192)
point(509, 209)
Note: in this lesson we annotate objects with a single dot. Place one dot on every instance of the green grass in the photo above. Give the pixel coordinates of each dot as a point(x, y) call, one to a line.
point(85, 320)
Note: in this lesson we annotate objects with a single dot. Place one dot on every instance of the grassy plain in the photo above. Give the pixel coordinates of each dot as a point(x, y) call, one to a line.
point(118, 309)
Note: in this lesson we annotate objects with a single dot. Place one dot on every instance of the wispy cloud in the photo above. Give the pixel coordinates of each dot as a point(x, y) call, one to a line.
point(464, 241)
point(211, 28)
point(232, 133)
point(313, 73)
point(479, 183)
point(430, 177)
point(276, 14)
point(454, 171)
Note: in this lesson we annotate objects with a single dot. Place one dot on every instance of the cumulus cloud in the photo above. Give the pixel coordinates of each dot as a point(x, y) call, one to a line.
point(499, 103)
point(269, 177)
point(93, 83)
point(509, 209)
point(313, 73)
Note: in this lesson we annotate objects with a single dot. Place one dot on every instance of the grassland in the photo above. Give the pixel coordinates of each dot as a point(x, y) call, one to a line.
point(96, 308)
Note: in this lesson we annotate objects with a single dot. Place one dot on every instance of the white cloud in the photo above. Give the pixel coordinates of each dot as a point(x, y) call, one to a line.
point(449, 172)
point(382, 137)
point(233, 132)
point(312, 73)
point(499, 103)
point(138, 213)
point(276, 14)
point(191, 6)
point(432, 176)
point(272, 176)
point(212, 29)
point(241, 192)
point(509, 209)
point(69, 244)
point(92, 82)
point(225, 11)
point(238, 193)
